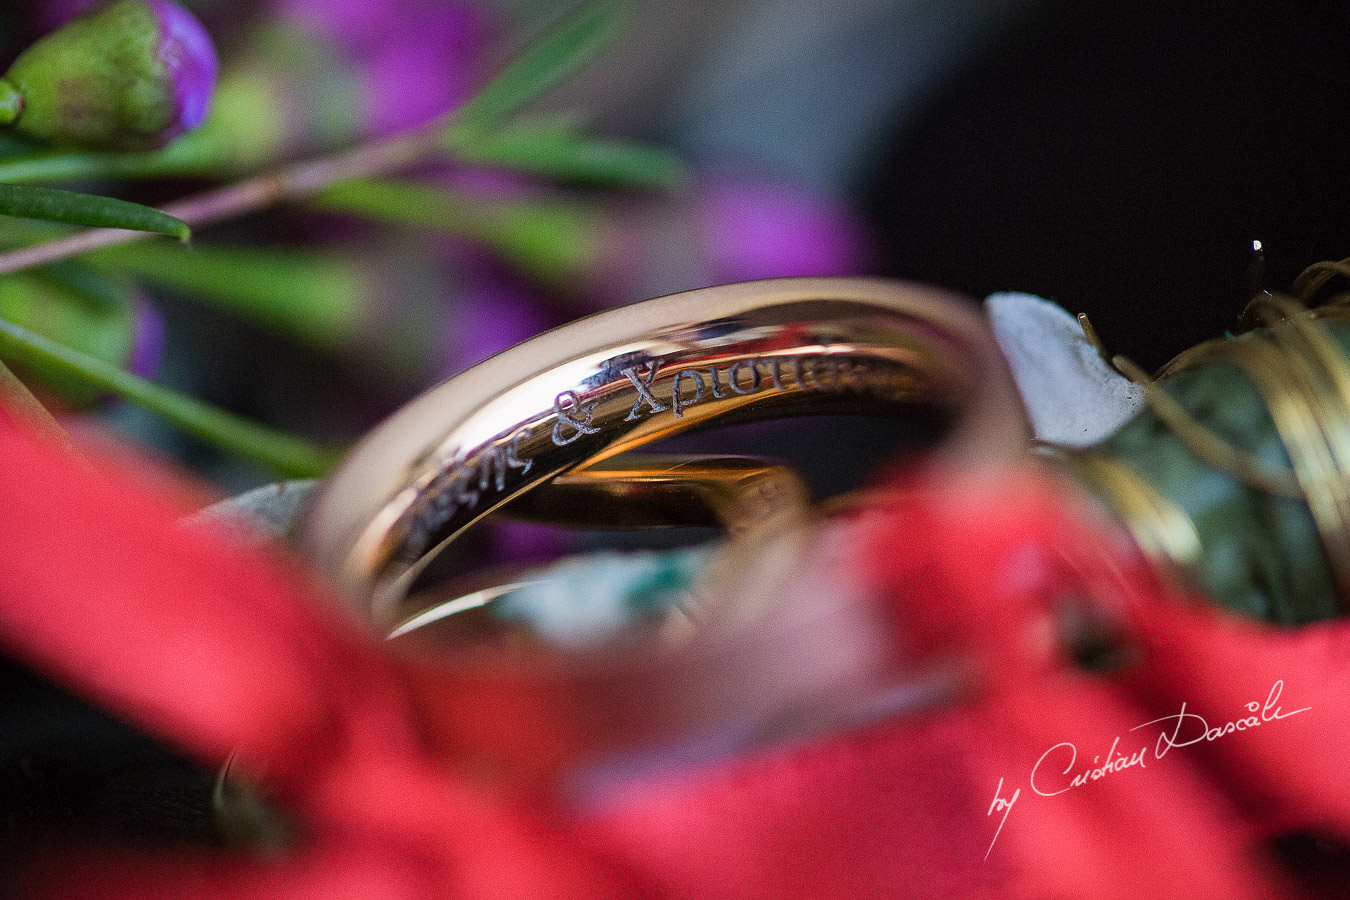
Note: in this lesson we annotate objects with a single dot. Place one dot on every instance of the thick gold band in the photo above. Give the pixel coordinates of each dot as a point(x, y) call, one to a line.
point(581, 394)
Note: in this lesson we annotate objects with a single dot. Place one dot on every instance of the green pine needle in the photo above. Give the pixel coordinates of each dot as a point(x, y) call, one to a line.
point(285, 454)
point(191, 154)
point(553, 240)
point(307, 296)
point(52, 205)
point(561, 51)
point(560, 152)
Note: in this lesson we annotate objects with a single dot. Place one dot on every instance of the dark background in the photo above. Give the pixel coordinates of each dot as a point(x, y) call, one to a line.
point(1120, 158)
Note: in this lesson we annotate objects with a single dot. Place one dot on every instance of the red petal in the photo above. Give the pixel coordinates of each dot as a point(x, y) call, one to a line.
point(210, 646)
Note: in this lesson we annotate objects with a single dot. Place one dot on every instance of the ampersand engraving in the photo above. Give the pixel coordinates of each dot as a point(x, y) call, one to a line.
point(469, 481)
point(567, 405)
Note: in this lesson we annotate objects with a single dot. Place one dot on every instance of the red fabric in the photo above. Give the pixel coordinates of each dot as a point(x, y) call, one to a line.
point(978, 568)
point(403, 773)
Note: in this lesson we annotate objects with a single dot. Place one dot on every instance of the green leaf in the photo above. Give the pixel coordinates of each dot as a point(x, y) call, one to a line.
point(318, 300)
point(557, 54)
point(192, 154)
point(285, 454)
point(13, 145)
point(560, 152)
point(29, 202)
point(76, 307)
point(91, 288)
point(382, 314)
point(552, 240)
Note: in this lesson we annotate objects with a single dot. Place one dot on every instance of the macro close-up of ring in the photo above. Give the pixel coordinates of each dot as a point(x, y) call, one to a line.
point(570, 400)
point(466, 449)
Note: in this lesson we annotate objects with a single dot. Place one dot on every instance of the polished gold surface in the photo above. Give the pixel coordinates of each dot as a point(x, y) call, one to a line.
point(575, 397)
point(644, 490)
point(743, 495)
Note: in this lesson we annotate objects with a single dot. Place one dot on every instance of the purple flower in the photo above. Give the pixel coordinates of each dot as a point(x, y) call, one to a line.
point(490, 312)
point(189, 59)
point(753, 228)
point(414, 59)
point(356, 25)
point(147, 344)
point(725, 228)
point(130, 75)
point(318, 75)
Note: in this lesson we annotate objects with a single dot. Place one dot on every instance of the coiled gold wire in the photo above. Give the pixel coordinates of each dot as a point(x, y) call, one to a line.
point(1303, 378)
point(1161, 529)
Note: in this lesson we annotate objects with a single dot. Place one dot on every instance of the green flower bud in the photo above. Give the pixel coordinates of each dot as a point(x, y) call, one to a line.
point(131, 75)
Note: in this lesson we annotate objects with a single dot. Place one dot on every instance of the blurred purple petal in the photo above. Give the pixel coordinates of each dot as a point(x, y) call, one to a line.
point(752, 228)
point(351, 23)
point(189, 60)
point(490, 314)
point(410, 81)
point(416, 59)
point(147, 345)
point(724, 229)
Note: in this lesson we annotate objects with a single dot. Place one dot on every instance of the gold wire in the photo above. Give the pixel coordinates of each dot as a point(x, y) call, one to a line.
point(1336, 307)
point(1314, 345)
point(1325, 384)
point(1303, 378)
point(1302, 406)
point(1296, 417)
point(1090, 334)
point(1204, 444)
point(1160, 527)
point(1311, 279)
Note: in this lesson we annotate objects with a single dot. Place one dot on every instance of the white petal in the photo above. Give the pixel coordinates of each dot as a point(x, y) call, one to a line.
point(1072, 395)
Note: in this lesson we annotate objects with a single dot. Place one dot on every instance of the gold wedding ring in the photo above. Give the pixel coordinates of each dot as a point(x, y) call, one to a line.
point(648, 490)
point(578, 396)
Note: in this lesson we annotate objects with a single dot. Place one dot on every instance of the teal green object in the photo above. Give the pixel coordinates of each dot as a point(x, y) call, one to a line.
point(587, 599)
point(131, 75)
